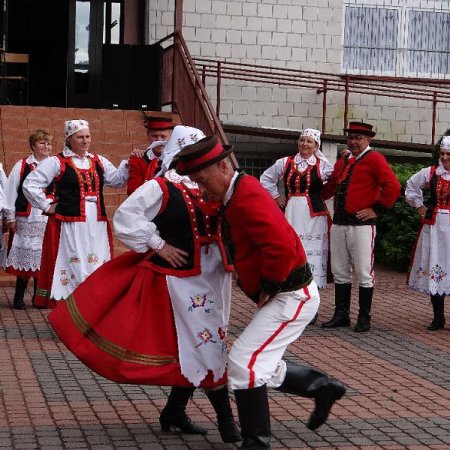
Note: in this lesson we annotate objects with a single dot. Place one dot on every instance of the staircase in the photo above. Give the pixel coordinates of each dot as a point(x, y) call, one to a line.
point(115, 133)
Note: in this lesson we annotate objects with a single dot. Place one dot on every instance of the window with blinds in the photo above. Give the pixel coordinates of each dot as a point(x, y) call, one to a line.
point(398, 41)
point(428, 50)
point(370, 39)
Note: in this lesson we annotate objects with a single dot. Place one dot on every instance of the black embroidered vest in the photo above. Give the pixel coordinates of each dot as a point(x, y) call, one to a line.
point(341, 216)
point(22, 206)
point(186, 222)
point(307, 183)
point(73, 185)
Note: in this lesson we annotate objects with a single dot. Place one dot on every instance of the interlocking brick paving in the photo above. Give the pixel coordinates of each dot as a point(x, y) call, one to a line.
point(398, 378)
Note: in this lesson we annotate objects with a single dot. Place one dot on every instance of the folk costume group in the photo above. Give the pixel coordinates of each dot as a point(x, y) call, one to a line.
point(192, 219)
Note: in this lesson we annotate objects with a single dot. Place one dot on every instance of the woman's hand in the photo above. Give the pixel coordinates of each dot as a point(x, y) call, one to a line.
point(51, 210)
point(174, 256)
point(281, 201)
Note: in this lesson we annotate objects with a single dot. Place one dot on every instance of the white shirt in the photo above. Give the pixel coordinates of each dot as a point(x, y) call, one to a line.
point(420, 180)
point(133, 220)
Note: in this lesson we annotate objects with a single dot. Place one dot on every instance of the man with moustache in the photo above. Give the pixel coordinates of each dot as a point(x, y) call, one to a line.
point(363, 186)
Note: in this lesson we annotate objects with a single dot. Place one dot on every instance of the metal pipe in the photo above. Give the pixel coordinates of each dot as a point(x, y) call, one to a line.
point(219, 87)
point(433, 125)
point(324, 105)
point(347, 94)
point(204, 75)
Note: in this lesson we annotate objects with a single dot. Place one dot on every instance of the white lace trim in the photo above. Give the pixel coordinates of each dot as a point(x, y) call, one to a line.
point(26, 249)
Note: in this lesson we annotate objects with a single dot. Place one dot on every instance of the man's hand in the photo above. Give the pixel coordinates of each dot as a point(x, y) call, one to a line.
point(366, 214)
point(174, 256)
point(281, 201)
point(421, 210)
point(263, 299)
point(137, 152)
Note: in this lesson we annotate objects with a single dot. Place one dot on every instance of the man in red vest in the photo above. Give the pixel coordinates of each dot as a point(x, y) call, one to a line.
point(145, 168)
point(363, 186)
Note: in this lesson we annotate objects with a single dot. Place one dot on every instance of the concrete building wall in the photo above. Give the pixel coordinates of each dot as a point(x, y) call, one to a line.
point(293, 34)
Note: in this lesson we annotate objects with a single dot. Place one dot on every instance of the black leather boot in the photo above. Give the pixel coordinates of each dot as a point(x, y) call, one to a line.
point(21, 286)
point(311, 383)
point(229, 432)
point(254, 417)
point(341, 316)
point(365, 305)
point(174, 413)
point(35, 282)
point(437, 301)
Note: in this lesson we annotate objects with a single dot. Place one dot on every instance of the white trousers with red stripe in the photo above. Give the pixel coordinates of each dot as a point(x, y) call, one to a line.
point(255, 357)
point(352, 248)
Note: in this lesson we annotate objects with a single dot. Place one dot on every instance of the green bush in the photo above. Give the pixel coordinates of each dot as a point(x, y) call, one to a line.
point(397, 228)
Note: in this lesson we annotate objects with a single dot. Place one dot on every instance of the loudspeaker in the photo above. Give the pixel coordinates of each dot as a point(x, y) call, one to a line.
point(131, 77)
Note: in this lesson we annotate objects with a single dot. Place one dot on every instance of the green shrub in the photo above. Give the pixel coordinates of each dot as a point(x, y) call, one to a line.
point(397, 228)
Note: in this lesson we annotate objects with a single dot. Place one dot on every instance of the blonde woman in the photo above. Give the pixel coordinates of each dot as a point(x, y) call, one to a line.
point(25, 222)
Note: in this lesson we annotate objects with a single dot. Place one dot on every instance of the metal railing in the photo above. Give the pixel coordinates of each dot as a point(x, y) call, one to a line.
point(426, 90)
point(183, 89)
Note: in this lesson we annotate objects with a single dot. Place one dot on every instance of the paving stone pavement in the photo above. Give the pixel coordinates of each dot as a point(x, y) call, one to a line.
point(398, 378)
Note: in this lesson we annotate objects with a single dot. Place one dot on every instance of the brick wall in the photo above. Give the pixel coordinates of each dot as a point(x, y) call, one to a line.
point(115, 133)
point(298, 34)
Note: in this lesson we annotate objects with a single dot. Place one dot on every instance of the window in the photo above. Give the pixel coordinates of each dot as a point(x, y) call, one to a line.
point(112, 23)
point(370, 39)
point(254, 166)
point(429, 42)
point(397, 40)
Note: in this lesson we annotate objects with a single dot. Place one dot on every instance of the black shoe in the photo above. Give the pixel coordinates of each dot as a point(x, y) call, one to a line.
point(362, 327)
point(19, 305)
point(182, 423)
point(312, 383)
point(436, 325)
point(324, 401)
point(337, 322)
point(174, 416)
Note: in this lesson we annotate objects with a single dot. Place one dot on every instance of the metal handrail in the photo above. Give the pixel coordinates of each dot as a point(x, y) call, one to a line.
point(185, 66)
point(428, 90)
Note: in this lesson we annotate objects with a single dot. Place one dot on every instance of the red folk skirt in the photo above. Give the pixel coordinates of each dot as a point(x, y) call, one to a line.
point(119, 323)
